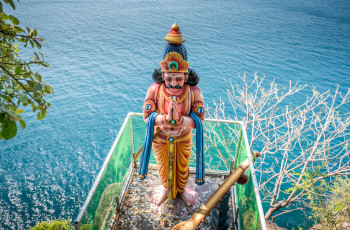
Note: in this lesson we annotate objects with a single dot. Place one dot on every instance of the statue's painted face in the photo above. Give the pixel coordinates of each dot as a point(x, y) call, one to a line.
point(174, 81)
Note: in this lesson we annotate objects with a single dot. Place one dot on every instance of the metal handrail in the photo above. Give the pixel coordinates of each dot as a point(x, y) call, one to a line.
point(255, 183)
point(98, 178)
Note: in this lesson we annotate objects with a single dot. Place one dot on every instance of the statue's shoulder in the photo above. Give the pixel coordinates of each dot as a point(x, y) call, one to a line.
point(154, 87)
point(152, 91)
point(197, 92)
point(195, 88)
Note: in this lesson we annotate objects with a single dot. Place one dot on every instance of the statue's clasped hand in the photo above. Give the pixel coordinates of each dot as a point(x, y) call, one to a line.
point(173, 118)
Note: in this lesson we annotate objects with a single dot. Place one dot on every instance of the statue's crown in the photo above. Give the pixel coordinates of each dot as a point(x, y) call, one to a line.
point(175, 36)
point(173, 62)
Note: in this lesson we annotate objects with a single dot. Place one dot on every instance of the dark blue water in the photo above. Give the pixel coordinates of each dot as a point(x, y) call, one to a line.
point(102, 54)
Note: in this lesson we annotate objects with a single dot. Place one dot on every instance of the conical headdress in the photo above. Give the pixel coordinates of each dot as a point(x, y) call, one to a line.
point(175, 36)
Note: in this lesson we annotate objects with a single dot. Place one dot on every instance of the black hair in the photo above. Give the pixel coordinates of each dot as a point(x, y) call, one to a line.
point(192, 80)
point(180, 48)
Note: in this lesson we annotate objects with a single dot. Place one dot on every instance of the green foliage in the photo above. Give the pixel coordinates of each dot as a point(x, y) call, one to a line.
point(19, 85)
point(53, 225)
point(85, 227)
point(308, 179)
point(332, 210)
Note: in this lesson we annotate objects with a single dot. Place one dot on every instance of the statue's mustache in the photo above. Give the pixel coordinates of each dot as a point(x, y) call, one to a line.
point(176, 86)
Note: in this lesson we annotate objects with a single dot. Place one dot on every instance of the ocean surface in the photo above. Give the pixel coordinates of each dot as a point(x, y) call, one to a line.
point(102, 54)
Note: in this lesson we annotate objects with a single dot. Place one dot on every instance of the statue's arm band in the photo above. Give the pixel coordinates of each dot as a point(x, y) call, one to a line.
point(199, 109)
point(149, 106)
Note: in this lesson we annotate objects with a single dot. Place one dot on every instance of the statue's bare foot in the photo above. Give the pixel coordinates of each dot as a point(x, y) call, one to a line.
point(159, 195)
point(189, 196)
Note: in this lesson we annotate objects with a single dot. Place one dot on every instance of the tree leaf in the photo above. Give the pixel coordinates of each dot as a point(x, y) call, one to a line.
point(48, 89)
point(23, 99)
point(4, 16)
point(8, 111)
point(37, 44)
point(36, 55)
point(31, 83)
point(11, 3)
point(2, 117)
point(41, 115)
point(18, 70)
point(19, 111)
point(38, 87)
point(14, 20)
point(38, 77)
point(19, 29)
point(22, 124)
point(9, 131)
point(3, 123)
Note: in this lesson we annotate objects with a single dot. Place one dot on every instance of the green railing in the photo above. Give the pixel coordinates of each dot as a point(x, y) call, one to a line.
point(225, 141)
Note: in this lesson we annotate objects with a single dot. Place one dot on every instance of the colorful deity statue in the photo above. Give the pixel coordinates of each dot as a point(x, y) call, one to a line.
point(172, 108)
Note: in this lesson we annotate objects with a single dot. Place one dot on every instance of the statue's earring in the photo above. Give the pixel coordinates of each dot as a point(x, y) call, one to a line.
point(186, 79)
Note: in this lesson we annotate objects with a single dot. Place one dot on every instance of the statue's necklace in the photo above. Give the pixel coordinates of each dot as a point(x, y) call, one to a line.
point(167, 97)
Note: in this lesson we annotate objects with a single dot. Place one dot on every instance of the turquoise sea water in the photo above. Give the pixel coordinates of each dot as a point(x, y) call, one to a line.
point(102, 54)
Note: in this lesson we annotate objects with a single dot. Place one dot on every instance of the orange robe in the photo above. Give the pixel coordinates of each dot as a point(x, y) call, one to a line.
point(178, 152)
point(180, 173)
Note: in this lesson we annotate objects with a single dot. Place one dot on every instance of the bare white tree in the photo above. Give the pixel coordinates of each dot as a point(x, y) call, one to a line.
point(296, 138)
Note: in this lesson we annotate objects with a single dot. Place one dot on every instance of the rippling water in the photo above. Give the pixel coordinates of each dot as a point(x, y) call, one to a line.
point(102, 54)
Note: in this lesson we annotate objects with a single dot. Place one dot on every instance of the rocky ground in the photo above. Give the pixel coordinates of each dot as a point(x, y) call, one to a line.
point(140, 212)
